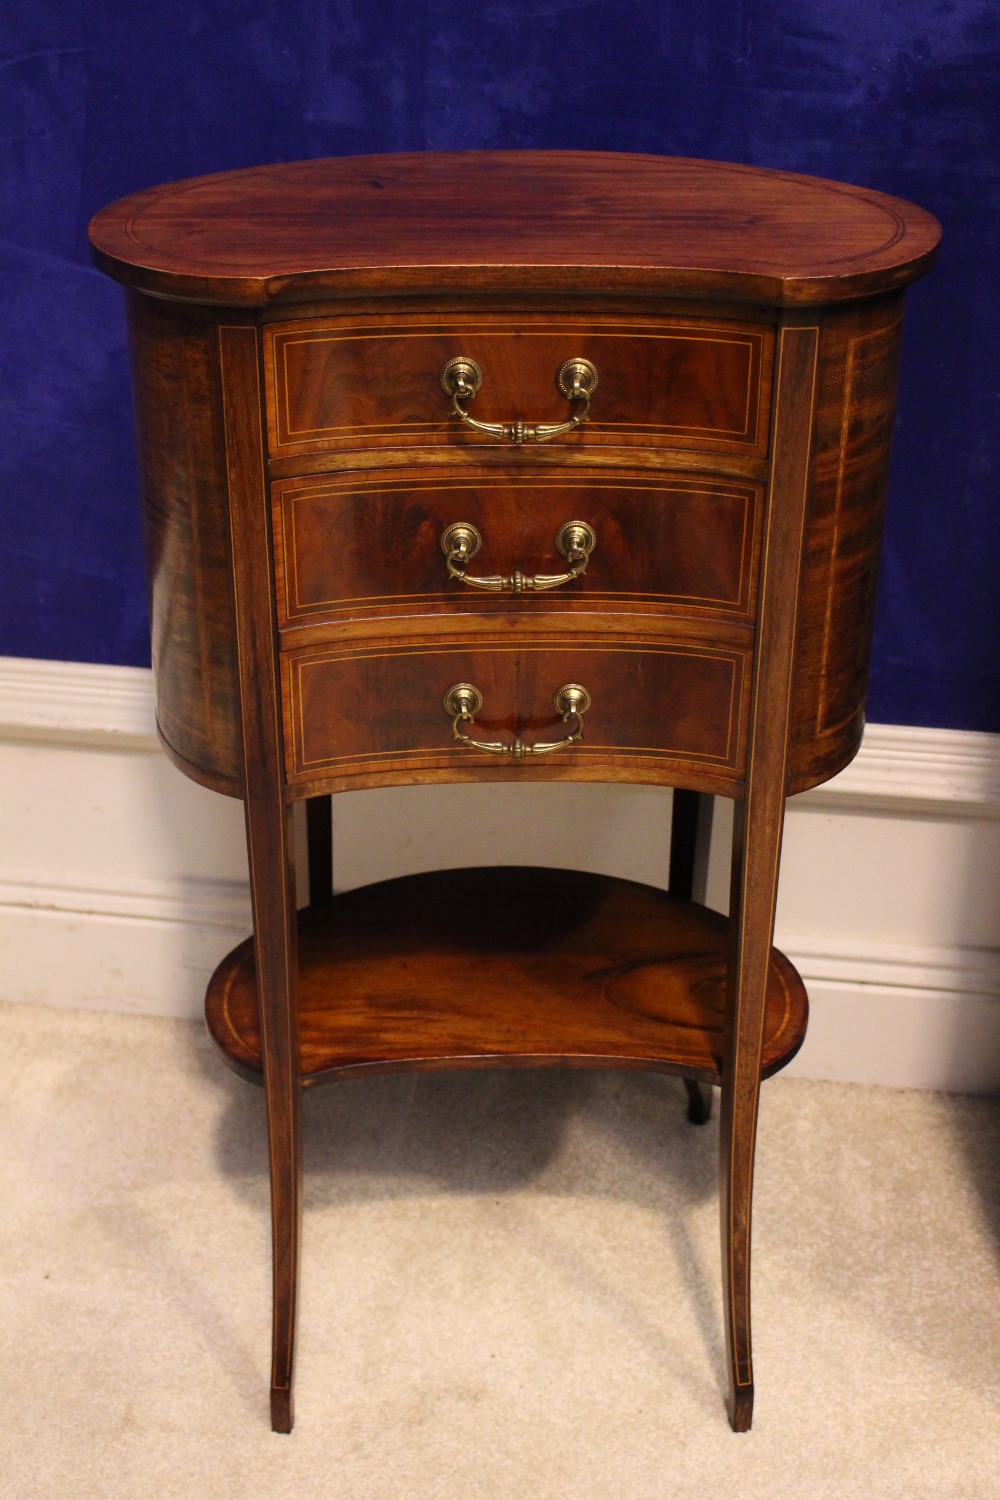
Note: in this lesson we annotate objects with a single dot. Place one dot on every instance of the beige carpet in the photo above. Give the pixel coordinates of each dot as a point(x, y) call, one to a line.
point(510, 1285)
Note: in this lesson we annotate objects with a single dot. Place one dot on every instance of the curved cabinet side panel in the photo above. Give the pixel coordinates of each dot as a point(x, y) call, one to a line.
point(182, 464)
point(851, 445)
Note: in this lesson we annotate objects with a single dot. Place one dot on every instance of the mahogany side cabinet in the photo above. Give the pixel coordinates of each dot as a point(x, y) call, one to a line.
point(557, 466)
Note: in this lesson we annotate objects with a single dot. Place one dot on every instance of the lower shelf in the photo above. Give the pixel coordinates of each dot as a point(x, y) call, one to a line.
point(529, 967)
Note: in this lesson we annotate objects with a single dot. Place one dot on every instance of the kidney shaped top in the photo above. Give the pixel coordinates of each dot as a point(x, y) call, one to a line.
point(508, 221)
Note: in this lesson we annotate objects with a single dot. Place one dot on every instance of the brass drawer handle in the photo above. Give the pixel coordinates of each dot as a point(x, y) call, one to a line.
point(577, 381)
point(463, 701)
point(461, 541)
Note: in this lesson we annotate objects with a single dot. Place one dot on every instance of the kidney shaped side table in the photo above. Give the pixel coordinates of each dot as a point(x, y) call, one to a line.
point(530, 466)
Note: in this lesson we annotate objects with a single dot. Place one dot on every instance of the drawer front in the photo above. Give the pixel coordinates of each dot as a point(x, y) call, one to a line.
point(370, 546)
point(349, 383)
point(381, 710)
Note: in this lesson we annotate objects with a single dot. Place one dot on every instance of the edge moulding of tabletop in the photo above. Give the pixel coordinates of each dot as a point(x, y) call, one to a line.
point(538, 466)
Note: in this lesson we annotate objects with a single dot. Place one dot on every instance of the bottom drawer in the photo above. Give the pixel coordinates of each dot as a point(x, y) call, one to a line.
point(378, 713)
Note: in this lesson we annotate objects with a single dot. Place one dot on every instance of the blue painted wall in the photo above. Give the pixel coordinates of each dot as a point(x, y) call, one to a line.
point(99, 97)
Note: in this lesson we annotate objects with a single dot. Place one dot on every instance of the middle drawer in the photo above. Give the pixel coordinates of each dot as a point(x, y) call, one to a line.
point(369, 546)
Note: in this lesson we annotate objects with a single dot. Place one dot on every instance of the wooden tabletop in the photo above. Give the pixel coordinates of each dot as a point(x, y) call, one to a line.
point(503, 221)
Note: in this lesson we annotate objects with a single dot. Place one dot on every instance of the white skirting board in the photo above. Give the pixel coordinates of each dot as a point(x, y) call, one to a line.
point(122, 883)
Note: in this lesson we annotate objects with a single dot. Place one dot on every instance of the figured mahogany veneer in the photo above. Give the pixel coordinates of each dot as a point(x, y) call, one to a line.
point(658, 710)
point(535, 967)
point(178, 396)
point(300, 462)
point(367, 383)
point(508, 221)
point(368, 546)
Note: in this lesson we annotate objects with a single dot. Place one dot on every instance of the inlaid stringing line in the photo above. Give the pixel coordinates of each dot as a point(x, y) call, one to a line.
point(740, 1379)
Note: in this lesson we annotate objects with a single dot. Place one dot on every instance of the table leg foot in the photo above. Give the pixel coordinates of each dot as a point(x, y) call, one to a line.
point(281, 1409)
point(699, 1101)
point(739, 1405)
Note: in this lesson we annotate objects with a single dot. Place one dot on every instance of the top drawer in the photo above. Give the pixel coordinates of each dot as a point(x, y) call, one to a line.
point(335, 384)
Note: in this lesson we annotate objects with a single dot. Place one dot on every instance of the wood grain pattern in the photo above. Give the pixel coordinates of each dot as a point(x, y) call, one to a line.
point(512, 458)
point(337, 383)
point(468, 968)
point(757, 839)
point(176, 389)
point(177, 384)
point(380, 708)
point(723, 626)
point(269, 839)
point(859, 357)
point(368, 545)
point(481, 222)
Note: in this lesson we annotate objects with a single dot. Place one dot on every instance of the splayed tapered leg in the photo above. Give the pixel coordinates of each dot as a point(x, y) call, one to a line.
point(269, 832)
point(757, 832)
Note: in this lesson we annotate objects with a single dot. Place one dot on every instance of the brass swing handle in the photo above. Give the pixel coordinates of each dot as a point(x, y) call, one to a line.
point(463, 701)
point(461, 541)
point(577, 381)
